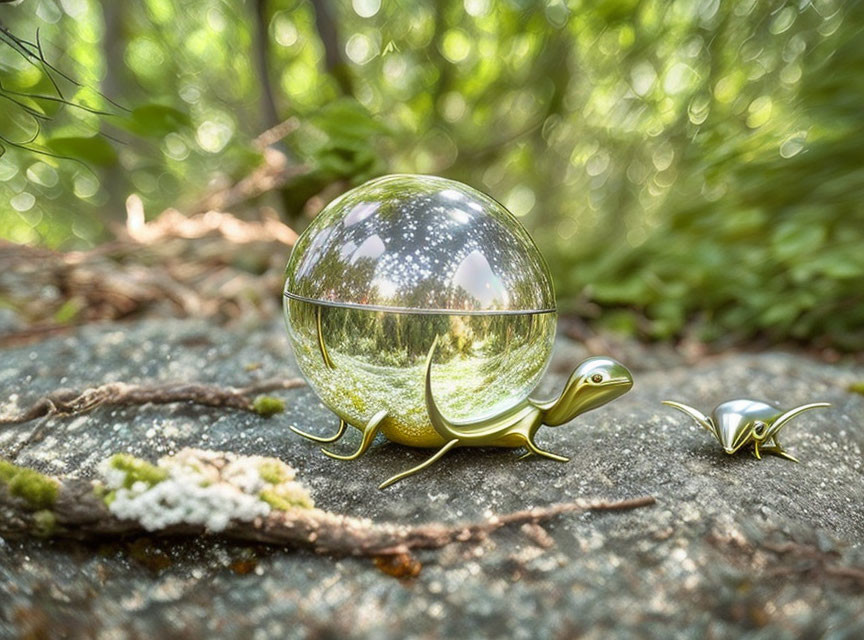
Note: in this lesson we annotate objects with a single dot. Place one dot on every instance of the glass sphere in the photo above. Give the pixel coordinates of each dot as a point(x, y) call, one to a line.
point(391, 265)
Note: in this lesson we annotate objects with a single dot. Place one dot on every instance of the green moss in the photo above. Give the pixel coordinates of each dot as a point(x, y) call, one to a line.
point(40, 491)
point(268, 406)
point(273, 472)
point(137, 470)
point(7, 471)
point(283, 500)
point(857, 387)
point(68, 311)
point(44, 523)
point(104, 494)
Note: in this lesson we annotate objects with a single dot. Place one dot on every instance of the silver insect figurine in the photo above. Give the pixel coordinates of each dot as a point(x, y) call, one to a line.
point(737, 423)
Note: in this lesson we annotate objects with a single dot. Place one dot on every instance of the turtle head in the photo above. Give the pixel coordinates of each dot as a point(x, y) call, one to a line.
point(739, 422)
point(734, 430)
point(592, 384)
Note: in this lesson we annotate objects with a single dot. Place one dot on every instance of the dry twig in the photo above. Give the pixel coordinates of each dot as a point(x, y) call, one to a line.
point(78, 513)
point(71, 402)
point(173, 224)
point(275, 134)
point(274, 173)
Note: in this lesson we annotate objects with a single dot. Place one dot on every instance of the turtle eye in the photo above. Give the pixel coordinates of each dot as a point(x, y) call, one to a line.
point(597, 378)
point(759, 428)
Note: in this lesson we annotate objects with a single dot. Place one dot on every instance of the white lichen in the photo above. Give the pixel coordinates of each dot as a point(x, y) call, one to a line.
point(195, 487)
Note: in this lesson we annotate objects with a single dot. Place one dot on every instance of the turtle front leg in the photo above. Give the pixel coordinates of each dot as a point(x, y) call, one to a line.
point(369, 433)
point(773, 430)
point(533, 448)
point(756, 451)
point(778, 450)
point(325, 439)
point(409, 472)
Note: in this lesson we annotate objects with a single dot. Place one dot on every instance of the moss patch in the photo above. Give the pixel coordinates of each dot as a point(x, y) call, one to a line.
point(857, 387)
point(137, 470)
point(40, 491)
point(7, 471)
point(268, 405)
point(285, 500)
point(273, 472)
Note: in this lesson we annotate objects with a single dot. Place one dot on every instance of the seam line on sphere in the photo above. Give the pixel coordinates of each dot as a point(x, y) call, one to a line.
point(445, 312)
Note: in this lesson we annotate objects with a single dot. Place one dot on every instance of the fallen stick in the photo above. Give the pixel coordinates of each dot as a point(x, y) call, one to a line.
point(71, 402)
point(78, 512)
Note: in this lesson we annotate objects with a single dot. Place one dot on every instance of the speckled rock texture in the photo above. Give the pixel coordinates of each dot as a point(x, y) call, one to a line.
point(735, 547)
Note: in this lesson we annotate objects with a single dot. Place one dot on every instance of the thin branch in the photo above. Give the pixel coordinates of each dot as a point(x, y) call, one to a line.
point(327, 532)
point(274, 173)
point(17, 44)
point(63, 101)
point(79, 513)
point(42, 152)
point(34, 54)
point(276, 133)
point(70, 402)
point(45, 66)
point(35, 58)
point(173, 224)
point(26, 108)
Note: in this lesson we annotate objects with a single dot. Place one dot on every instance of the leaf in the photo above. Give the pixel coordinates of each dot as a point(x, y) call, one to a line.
point(793, 239)
point(622, 290)
point(94, 150)
point(347, 122)
point(156, 120)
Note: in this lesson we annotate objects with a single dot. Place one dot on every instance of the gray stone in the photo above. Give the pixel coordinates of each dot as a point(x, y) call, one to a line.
point(708, 559)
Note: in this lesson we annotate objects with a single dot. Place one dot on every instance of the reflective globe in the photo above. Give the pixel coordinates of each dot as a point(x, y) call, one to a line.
point(392, 265)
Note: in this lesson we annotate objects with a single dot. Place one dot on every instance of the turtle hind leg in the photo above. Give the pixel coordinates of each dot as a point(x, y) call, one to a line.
point(369, 433)
point(326, 439)
point(533, 448)
point(410, 472)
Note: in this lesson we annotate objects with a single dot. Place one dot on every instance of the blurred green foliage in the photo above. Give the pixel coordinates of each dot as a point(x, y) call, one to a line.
point(685, 166)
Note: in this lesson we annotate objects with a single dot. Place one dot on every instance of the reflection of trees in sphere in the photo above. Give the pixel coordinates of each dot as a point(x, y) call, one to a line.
point(483, 364)
point(397, 262)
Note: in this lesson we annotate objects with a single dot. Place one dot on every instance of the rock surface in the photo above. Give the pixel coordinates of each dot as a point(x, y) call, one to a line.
point(735, 547)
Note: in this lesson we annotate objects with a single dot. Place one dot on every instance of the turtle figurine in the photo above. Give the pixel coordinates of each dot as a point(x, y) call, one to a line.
point(421, 309)
point(737, 423)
